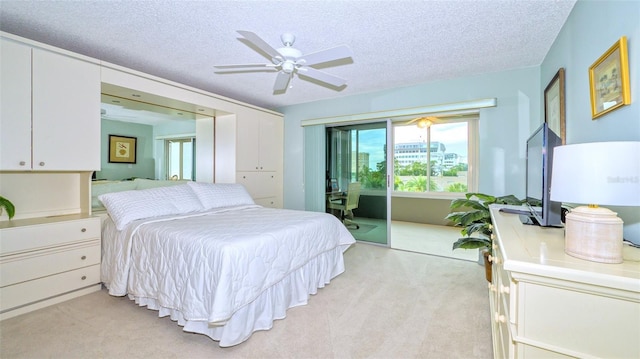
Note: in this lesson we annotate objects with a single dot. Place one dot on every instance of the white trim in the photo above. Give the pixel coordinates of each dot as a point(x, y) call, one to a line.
point(177, 136)
point(414, 111)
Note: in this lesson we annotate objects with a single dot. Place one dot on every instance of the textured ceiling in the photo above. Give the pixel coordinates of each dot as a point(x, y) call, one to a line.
point(394, 43)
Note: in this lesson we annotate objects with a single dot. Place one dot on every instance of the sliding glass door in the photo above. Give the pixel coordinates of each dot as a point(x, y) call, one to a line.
point(358, 154)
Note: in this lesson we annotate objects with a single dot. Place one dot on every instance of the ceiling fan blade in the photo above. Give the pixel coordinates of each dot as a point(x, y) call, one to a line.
point(282, 81)
point(259, 43)
point(322, 76)
point(245, 67)
point(334, 53)
point(238, 66)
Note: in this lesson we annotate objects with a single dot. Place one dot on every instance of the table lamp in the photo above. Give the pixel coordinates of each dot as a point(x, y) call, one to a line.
point(598, 173)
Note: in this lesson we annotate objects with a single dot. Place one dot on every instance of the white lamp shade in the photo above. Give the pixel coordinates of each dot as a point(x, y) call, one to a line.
point(600, 173)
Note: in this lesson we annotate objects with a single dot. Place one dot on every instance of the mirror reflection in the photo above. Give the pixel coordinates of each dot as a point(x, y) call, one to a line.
point(165, 133)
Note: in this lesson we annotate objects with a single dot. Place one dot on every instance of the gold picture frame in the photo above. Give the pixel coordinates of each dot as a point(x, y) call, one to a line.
point(609, 80)
point(122, 149)
point(554, 105)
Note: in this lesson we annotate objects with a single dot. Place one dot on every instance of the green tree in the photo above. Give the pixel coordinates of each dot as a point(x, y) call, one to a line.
point(452, 172)
point(419, 184)
point(457, 187)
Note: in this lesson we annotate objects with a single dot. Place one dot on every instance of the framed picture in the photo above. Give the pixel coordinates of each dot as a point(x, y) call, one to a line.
point(609, 80)
point(122, 149)
point(554, 108)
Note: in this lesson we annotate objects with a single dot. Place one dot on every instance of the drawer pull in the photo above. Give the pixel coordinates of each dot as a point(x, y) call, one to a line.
point(83, 230)
point(84, 277)
point(83, 257)
point(22, 163)
point(41, 164)
point(494, 260)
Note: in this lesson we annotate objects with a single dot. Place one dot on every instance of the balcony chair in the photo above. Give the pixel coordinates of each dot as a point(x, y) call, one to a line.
point(347, 203)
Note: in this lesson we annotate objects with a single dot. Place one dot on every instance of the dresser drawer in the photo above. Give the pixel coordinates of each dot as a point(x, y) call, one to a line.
point(27, 238)
point(38, 264)
point(28, 292)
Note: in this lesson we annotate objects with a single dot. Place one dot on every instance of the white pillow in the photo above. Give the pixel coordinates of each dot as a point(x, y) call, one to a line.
point(98, 188)
point(143, 183)
point(215, 195)
point(125, 207)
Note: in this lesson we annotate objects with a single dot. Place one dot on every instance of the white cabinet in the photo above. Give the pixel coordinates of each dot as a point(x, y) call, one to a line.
point(547, 304)
point(260, 141)
point(50, 110)
point(47, 260)
point(249, 150)
point(262, 186)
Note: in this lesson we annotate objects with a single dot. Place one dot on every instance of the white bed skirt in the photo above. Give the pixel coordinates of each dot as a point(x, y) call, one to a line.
point(272, 304)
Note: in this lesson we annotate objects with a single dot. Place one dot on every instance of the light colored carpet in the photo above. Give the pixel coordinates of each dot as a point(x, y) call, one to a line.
point(430, 239)
point(388, 304)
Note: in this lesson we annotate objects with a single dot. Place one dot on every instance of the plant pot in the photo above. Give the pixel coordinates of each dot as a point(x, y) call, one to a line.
point(487, 265)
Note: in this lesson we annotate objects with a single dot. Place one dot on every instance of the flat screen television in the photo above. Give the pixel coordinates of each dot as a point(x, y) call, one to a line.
point(540, 147)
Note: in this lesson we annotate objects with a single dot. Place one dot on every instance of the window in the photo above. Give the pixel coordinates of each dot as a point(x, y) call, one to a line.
point(179, 155)
point(435, 159)
point(357, 153)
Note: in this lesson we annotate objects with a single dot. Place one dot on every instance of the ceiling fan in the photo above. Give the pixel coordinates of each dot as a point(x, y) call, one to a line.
point(288, 61)
point(424, 121)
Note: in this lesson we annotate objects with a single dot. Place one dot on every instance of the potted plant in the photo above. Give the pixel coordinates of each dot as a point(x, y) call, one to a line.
point(476, 222)
point(8, 206)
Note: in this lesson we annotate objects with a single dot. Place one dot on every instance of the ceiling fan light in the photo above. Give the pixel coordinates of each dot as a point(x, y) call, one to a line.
point(424, 123)
point(288, 67)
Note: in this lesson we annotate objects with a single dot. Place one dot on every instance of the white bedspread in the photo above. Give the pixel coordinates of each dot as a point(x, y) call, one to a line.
point(206, 267)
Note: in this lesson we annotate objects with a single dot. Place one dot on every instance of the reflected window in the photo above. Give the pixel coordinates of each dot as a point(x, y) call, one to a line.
point(180, 155)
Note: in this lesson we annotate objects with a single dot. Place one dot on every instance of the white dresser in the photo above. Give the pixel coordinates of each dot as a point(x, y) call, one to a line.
point(47, 260)
point(547, 304)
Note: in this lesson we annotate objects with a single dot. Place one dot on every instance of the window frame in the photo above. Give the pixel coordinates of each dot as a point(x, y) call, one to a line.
point(167, 155)
point(472, 121)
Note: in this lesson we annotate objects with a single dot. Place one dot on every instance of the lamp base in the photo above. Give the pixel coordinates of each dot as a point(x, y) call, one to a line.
point(594, 234)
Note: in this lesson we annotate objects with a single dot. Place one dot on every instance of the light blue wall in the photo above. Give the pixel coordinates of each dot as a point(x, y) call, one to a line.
point(144, 166)
point(503, 129)
point(590, 30)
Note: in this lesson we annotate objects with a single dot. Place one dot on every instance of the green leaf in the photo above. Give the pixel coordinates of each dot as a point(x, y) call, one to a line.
point(468, 203)
point(510, 199)
point(472, 243)
point(482, 197)
point(6, 204)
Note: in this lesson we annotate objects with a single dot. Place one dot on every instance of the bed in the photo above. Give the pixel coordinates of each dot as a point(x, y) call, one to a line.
point(216, 263)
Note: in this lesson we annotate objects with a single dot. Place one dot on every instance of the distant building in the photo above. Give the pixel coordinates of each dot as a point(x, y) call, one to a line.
point(362, 161)
point(409, 152)
point(451, 160)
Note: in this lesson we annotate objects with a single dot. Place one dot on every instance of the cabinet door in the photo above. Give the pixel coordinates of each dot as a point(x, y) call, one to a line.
point(66, 113)
point(271, 143)
point(15, 106)
point(260, 143)
point(248, 142)
point(259, 184)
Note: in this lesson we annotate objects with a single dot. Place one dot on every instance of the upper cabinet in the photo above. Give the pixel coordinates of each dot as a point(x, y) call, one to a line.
point(260, 141)
point(50, 113)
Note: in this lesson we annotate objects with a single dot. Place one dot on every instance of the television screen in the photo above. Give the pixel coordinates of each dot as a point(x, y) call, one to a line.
point(538, 177)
